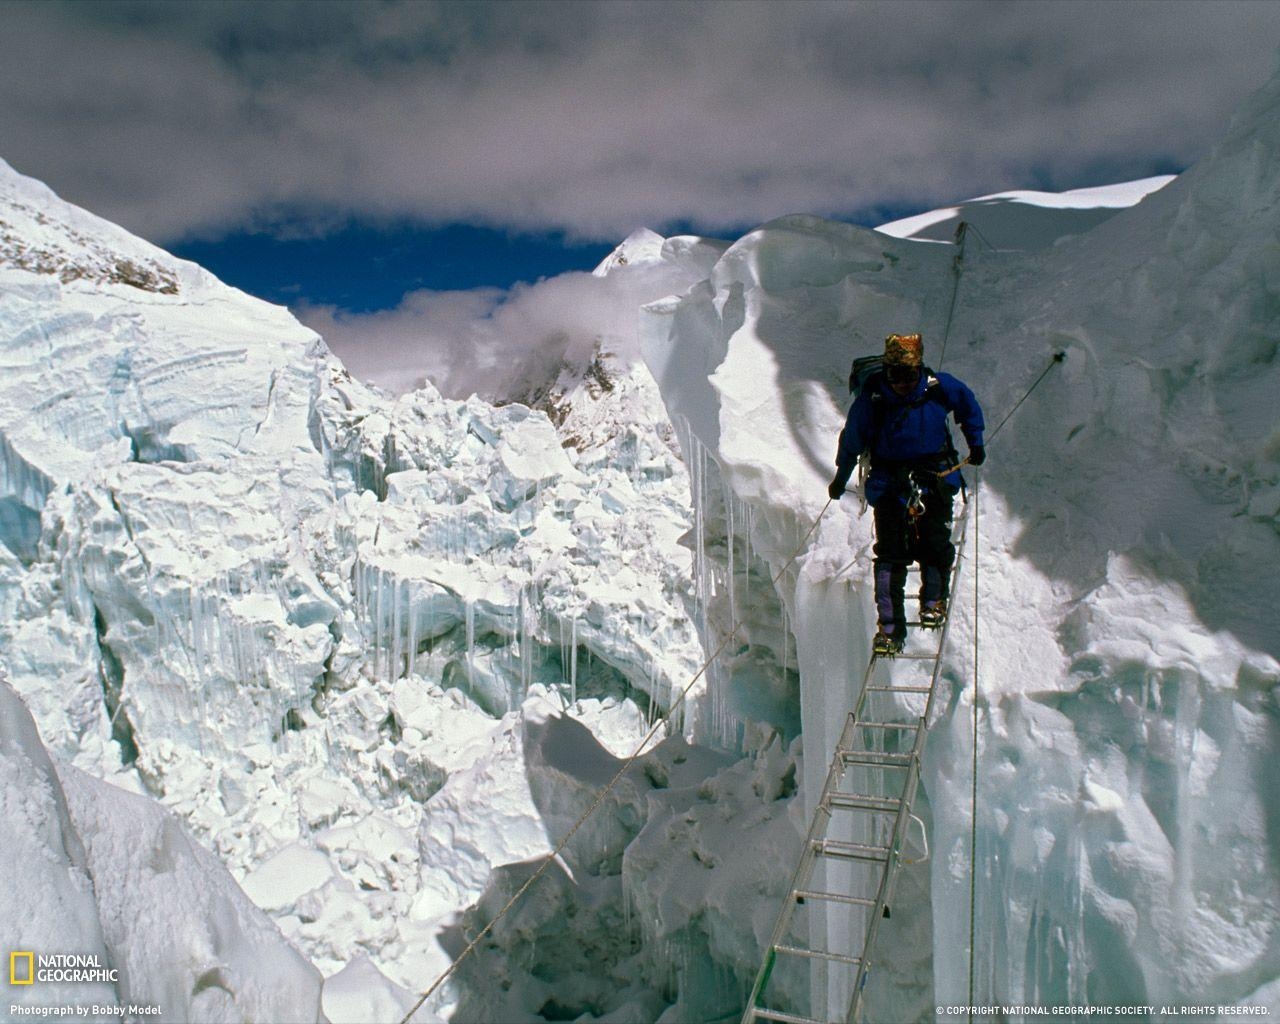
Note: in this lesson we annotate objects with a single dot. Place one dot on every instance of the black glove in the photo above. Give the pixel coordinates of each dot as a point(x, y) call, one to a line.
point(839, 483)
point(977, 455)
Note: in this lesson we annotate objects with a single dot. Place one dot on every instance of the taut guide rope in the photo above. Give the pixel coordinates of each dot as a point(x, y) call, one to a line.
point(973, 792)
point(600, 797)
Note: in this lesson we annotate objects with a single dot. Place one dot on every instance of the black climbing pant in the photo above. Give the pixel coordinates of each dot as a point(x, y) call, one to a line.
point(903, 538)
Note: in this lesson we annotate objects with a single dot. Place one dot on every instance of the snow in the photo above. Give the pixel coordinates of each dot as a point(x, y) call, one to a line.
point(371, 657)
point(47, 881)
point(1019, 219)
point(111, 874)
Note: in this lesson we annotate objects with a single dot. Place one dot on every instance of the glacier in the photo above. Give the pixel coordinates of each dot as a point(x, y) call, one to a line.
point(364, 659)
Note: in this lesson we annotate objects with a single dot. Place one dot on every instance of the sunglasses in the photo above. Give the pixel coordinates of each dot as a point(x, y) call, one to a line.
point(896, 374)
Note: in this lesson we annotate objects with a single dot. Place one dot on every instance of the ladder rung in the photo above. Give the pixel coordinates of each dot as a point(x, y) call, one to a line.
point(864, 802)
point(900, 689)
point(916, 657)
point(875, 759)
point(851, 851)
point(785, 1018)
point(833, 897)
point(888, 725)
point(819, 954)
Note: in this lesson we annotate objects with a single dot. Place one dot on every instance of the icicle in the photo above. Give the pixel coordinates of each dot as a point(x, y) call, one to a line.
point(520, 644)
point(564, 650)
point(529, 648)
point(627, 908)
point(729, 503)
point(786, 636)
point(412, 653)
point(573, 664)
point(393, 662)
point(431, 622)
point(377, 621)
point(471, 640)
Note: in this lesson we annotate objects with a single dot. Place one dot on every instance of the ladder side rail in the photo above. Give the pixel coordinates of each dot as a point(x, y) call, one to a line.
point(909, 799)
point(804, 867)
point(946, 623)
point(861, 700)
point(898, 837)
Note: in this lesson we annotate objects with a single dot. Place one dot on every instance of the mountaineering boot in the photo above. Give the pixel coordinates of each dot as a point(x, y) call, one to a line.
point(887, 644)
point(933, 614)
point(890, 579)
point(933, 595)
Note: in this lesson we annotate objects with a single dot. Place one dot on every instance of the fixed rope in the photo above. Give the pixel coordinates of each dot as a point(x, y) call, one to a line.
point(1058, 357)
point(973, 792)
point(957, 267)
point(984, 239)
point(600, 797)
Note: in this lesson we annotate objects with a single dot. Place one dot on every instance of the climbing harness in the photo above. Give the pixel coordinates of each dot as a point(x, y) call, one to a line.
point(554, 855)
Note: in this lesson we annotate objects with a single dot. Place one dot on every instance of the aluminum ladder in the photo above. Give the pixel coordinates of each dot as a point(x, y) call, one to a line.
point(855, 840)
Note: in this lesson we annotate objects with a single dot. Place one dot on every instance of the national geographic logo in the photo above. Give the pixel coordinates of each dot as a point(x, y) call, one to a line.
point(26, 968)
point(22, 968)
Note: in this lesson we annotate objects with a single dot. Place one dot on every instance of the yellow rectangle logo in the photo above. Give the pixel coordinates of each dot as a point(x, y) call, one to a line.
point(30, 975)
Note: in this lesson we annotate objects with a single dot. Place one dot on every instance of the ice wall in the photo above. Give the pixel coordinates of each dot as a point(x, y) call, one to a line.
point(1126, 665)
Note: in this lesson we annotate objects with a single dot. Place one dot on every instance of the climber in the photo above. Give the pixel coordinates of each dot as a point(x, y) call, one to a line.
point(900, 418)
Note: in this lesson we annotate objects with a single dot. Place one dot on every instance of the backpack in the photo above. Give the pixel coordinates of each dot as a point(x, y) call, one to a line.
point(862, 370)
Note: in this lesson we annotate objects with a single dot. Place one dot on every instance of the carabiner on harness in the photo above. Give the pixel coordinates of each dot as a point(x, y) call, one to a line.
point(915, 503)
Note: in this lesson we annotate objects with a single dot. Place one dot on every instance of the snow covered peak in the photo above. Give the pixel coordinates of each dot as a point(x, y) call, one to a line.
point(638, 248)
point(645, 248)
point(44, 234)
point(115, 352)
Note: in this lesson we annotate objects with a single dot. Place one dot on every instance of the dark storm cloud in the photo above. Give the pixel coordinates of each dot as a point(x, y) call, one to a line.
point(176, 119)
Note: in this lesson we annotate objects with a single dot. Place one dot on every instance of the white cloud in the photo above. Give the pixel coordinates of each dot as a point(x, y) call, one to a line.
point(495, 343)
point(595, 118)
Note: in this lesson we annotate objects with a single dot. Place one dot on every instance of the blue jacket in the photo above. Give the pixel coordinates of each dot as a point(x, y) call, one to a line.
point(906, 430)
